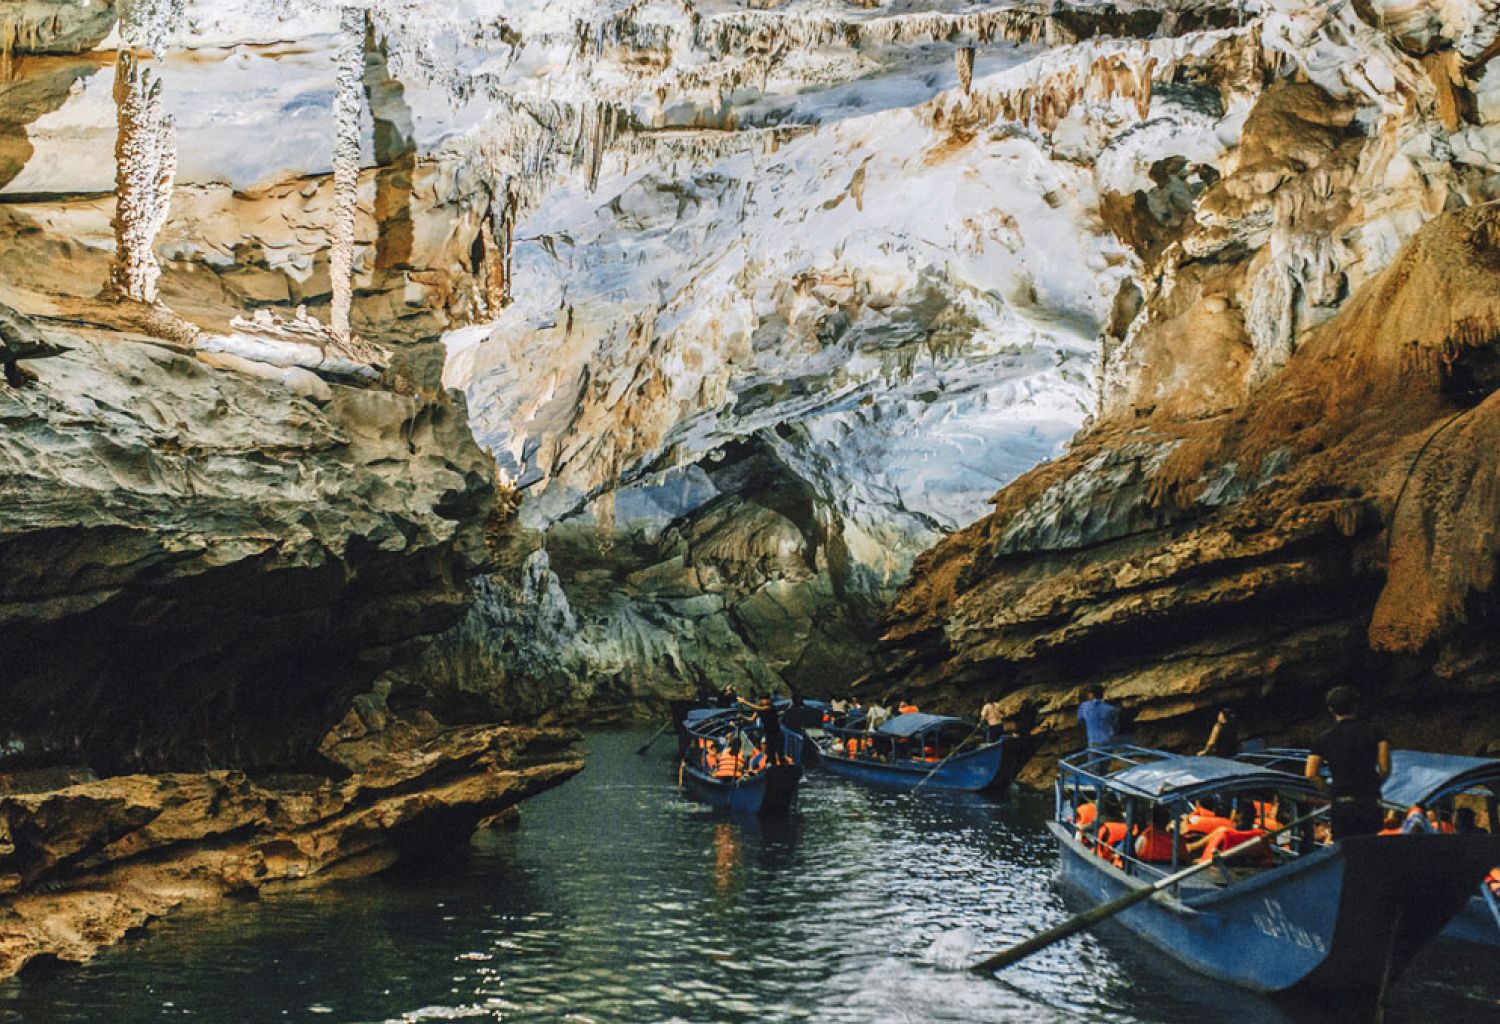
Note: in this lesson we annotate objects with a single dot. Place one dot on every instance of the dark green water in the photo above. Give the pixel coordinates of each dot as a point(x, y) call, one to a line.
point(618, 903)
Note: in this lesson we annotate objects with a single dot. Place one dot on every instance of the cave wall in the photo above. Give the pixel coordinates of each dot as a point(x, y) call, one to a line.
point(1282, 489)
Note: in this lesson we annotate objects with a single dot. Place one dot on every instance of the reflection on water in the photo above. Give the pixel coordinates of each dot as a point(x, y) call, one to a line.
point(617, 902)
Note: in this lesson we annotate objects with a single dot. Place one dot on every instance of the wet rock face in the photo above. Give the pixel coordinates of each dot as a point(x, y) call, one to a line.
point(202, 568)
point(1283, 488)
point(82, 865)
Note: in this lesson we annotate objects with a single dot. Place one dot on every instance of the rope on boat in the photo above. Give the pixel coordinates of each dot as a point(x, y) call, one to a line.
point(1104, 911)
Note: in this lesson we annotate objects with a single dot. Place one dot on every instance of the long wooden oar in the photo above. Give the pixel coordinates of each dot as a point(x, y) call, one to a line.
point(1105, 911)
point(647, 745)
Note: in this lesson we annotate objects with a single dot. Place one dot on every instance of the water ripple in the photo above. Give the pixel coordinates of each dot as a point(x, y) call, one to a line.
point(617, 902)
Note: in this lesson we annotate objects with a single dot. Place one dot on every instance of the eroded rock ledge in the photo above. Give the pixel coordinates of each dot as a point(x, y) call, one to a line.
point(205, 575)
point(202, 568)
point(1338, 525)
point(83, 865)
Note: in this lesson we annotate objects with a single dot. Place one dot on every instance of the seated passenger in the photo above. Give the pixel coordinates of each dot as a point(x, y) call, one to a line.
point(1493, 881)
point(1392, 826)
point(1442, 822)
point(1241, 830)
point(837, 747)
point(1466, 822)
point(1205, 819)
point(1159, 841)
point(906, 707)
point(1415, 822)
point(729, 765)
point(1108, 835)
point(1084, 814)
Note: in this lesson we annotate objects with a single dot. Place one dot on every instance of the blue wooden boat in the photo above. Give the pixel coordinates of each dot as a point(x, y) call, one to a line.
point(1341, 917)
point(1437, 782)
point(767, 791)
point(915, 749)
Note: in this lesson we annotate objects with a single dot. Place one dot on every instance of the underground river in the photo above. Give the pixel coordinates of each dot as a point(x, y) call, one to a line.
point(616, 902)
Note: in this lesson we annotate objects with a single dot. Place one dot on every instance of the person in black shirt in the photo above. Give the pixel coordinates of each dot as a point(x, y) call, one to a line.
point(800, 718)
point(770, 727)
point(1358, 758)
point(1224, 738)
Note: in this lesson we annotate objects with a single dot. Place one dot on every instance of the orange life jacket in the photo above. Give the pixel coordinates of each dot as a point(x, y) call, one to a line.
point(730, 766)
point(1108, 834)
point(710, 759)
point(1155, 847)
point(1228, 838)
point(757, 761)
point(1084, 814)
point(1493, 881)
point(1205, 823)
point(906, 709)
point(852, 745)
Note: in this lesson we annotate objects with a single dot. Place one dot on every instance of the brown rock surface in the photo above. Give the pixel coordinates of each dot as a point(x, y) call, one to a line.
point(84, 865)
point(1339, 524)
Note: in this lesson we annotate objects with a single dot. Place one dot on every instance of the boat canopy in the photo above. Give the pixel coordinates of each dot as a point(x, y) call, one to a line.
point(1418, 777)
point(697, 716)
point(911, 724)
point(1184, 777)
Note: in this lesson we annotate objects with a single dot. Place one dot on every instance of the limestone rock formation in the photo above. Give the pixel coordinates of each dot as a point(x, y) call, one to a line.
point(201, 567)
point(84, 864)
point(1284, 486)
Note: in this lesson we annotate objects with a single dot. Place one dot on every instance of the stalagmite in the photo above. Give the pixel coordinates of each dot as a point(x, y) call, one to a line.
point(964, 58)
point(347, 104)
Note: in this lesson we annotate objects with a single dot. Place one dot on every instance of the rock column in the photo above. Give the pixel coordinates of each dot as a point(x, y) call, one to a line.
point(347, 103)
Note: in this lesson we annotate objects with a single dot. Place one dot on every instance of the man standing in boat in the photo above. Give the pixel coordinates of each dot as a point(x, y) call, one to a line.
point(1358, 758)
point(770, 727)
point(994, 721)
point(1101, 719)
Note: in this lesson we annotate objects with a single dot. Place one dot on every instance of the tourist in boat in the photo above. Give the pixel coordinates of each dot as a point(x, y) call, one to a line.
point(1442, 822)
point(729, 765)
point(1466, 822)
point(906, 707)
point(1415, 822)
point(1242, 829)
point(875, 717)
point(1391, 825)
point(1159, 842)
point(800, 717)
point(1224, 737)
point(1358, 758)
point(1206, 818)
point(994, 721)
point(1101, 720)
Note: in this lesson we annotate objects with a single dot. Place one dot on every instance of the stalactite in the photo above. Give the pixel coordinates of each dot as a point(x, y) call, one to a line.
point(145, 169)
point(964, 58)
point(347, 104)
point(497, 233)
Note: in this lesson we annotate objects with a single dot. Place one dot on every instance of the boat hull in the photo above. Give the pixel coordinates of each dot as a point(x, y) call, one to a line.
point(984, 768)
point(1475, 922)
point(770, 792)
point(1328, 921)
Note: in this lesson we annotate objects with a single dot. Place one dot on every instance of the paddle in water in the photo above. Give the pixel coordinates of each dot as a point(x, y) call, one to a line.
point(647, 745)
point(1105, 911)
